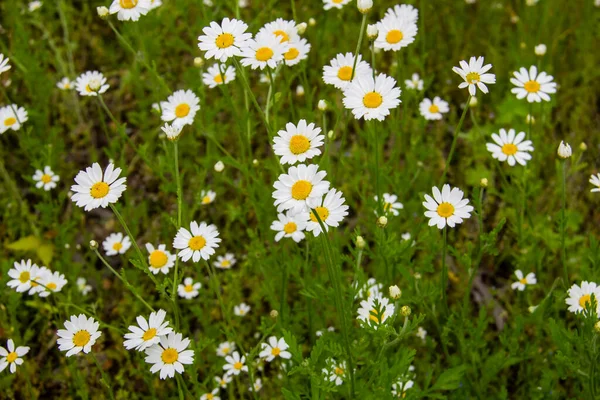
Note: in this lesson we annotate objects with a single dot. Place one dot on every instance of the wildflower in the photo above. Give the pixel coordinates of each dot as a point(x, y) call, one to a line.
point(225, 262)
point(370, 98)
point(207, 196)
point(257, 385)
point(83, 287)
point(172, 131)
point(580, 298)
point(241, 310)
point(433, 110)
point(219, 166)
point(199, 242)
point(404, 11)
point(298, 50)
point(370, 289)
point(37, 275)
point(364, 6)
point(474, 74)
point(299, 90)
point(91, 83)
point(391, 205)
point(298, 143)
point(159, 259)
point(12, 117)
point(189, 289)
point(181, 108)
point(95, 189)
point(312, 21)
point(372, 31)
point(564, 150)
point(395, 33)
point(523, 281)
point(264, 51)
point(274, 348)
point(540, 50)
point(322, 105)
point(335, 372)
point(211, 395)
point(12, 356)
point(213, 77)
point(127, 10)
point(399, 388)
point(360, 242)
point(4, 65)
point(483, 182)
point(446, 207)
point(46, 179)
point(34, 5)
point(339, 70)
point(406, 236)
point(281, 29)
point(149, 332)
point(301, 28)
point(300, 189)
point(22, 272)
point(510, 148)
point(51, 282)
point(198, 62)
point(473, 101)
point(395, 292)
point(421, 333)
point(414, 83)
point(115, 244)
point(222, 381)
point(169, 355)
point(405, 311)
point(329, 4)
point(375, 310)
point(595, 180)
point(289, 225)
point(382, 221)
point(225, 348)
point(533, 86)
point(331, 212)
point(102, 11)
point(79, 335)
point(65, 84)
point(235, 364)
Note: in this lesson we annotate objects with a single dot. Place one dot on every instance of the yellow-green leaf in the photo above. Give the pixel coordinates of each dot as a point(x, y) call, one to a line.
point(26, 243)
point(45, 252)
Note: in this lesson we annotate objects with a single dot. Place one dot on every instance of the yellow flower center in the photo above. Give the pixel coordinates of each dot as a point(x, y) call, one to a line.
point(67, 86)
point(374, 316)
point(226, 350)
point(225, 263)
point(238, 365)
point(394, 36)
point(284, 36)
point(169, 356)
point(99, 190)
point(339, 371)
point(81, 338)
point(224, 40)
point(88, 88)
point(434, 109)
point(158, 259)
point(345, 73)
point(509, 149)
point(532, 86)
point(218, 78)
point(523, 281)
point(291, 54)
point(11, 357)
point(387, 207)
point(24, 276)
point(182, 110)
point(445, 210)
point(188, 288)
point(149, 334)
point(275, 351)
point(209, 396)
point(472, 77)
point(197, 243)
point(51, 286)
point(290, 227)
point(10, 121)
point(128, 4)
point(117, 246)
point(301, 190)
point(372, 100)
point(323, 214)
point(46, 178)
point(206, 199)
point(299, 144)
point(264, 54)
point(585, 300)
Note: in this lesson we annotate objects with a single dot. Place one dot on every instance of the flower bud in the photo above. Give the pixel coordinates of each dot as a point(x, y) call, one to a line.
point(172, 131)
point(597, 327)
point(372, 31)
point(529, 119)
point(473, 101)
point(198, 62)
point(564, 150)
point(395, 292)
point(322, 105)
point(219, 166)
point(300, 91)
point(405, 311)
point(93, 244)
point(360, 242)
point(274, 314)
point(417, 275)
point(255, 162)
point(301, 28)
point(382, 221)
point(540, 50)
point(331, 135)
point(312, 22)
point(583, 146)
point(364, 6)
point(483, 182)
point(102, 11)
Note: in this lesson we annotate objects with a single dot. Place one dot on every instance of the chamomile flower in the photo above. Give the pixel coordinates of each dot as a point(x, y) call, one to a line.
point(331, 212)
point(300, 189)
point(211, 395)
point(510, 147)
point(207, 196)
point(218, 74)
point(91, 83)
point(264, 51)
point(284, 30)
point(12, 356)
point(298, 143)
point(446, 207)
point(159, 259)
point(22, 274)
point(95, 189)
point(46, 178)
point(83, 286)
point(414, 83)
point(399, 388)
point(523, 281)
point(533, 86)
point(12, 117)
point(65, 84)
point(79, 335)
point(335, 371)
point(222, 381)
point(257, 385)
point(329, 4)
point(199, 242)
point(580, 298)
point(225, 40)
point(169, 355)
point(274, 348)
point(116, 243)
point(225, 262)
point(403, 11)
point(181, 108)
point(433, 110)
point(51, 282)
point(4, 65)
point(339, 70)
point(391, 205)
point(370, 98)
point(370, 289)
point(375, 310)
point(37, 276)
point(594, 180)
point(395, 33)
point(34, 5)
point(235, 364)
point(127, 10)
point(172, 132)
point(289, 225)
point(225, 348)
point(475, 75)
point(297, 51)
point(148, 332)
point(241, 310)
point(189, 289)
point(421, 333)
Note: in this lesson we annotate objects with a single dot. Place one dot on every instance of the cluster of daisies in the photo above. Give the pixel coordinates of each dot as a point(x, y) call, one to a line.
point(29, 277)
point(375, 309)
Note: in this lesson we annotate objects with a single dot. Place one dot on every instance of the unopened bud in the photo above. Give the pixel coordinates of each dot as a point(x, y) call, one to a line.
point(312, 22)
point(255, 162)
point(331, 135)
point(360, 242)
point(405, 311)
point(93, 244)
point(322, 105)
point(583, 146)
point(219, 166)
point(274, 314)
point(483, 182)
point(372, 31)
point(564, 150)
point(364, 6)
point(382, 221)
point(102, 11)
point(529, 119)
point(540, 50)
point(301, 28)
point(198, 62)
point(395, 292)
point(300, 91)
point(473, 101)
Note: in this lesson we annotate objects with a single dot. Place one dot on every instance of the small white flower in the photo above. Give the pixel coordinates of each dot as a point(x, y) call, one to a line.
point(339, 70)
point(235, 364)
point(375, 310)
point(297, 51)
point(97, 189)
point(34, 5)
point(300, 189)
point(219, 166)
point(257, 385)
point(180, 108)
point(523, 281)
point(370, 98)
point(207, 196)
point(395, 292)
point(433, 110)
point(241, 310)
point(115, 244)
point(222, 381)
point(264, 51)
point(329, 4)
point(510, 147)
point(399, 388)
point(65, 84)
point(12, 356)
point(4, 65)
point(79, 335)
point(298, 143)
point(22, 274)
point(12, 117)
point(51, 283)
point(281, 29)
point(289, 225)
point(540, 49)
point(331, 212)
point(46, 178)
point(218, 74)
point(172, 131)
point(475, 75)
point(391, 205)
point(169, 355)
point(274, 348)
point(533, 86)
point(414, 83)
point(446, 207)
point(335, 372)
point(225, 262)
point(595, 180)
point(211, 395)
point(395, 33)
point(370, 289)
point(564, 150)
point(83, 287)
point(421, 333)
point(148, 332)
point(225, 349)
point(580, 297)
point(199, 242)
point(159, 259)
point(189, 289)
point(127, 10)
point(91, 83)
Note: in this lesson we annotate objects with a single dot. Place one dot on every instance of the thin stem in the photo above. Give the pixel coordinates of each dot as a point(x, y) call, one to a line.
point(179, 212)
point(456, 132)
point(269, 94)
point(249, 91)
point(104, 379)
point(283, 292)
point(563, 225)
point(360, 40)
point(444, 277)
point(380, 210)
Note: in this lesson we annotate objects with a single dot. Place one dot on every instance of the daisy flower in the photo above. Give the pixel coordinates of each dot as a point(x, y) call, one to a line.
point(207, 196)
point(37, 276)
point(399, 388)
point(403, 11)
point(95, 189)
point(274, 348)
point(370, 98)
point(300, 189)
point(257, 385)
point(189, 289)
point(149, 332)
point(335, 372)
point(51, 282)
point(241, 310)
point(116, 243)
point(375, 310)
point(391, 205)
point(91, 83)
point(225, 40)
point(370, 289)
point(339, 70)
point(289, 225)
point(172, 131)
point(130, 9)
point(414, 83)
point(225, 262)
point(433, 110)
point(594, 180)
point(22, 273)
point(235, 364)
point(79, 335)
point(199, 242)
point(523, 281)
point(83, 287)
point(331, 212)
point(329, 4)
point(264, 51)
point(46, 179)
point(284, 30)
point(169, 355)
point(12, 117)
point(395, 33)
point(211, 395)
point(181, 108)
point(12, 356)
point(65, 84)
point(34, 5)
point(510, 147)
point(222, 381)
point(580, 298)
point(446, 207)
point(225, 349)
point(297, 51)
point(213, 77)
point(298, 143)
point(533, 86)
point(160, 260)
point(4, 66)
point(474, 74)
point(421, 333)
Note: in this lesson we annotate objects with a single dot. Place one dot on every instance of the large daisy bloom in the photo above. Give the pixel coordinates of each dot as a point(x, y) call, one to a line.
point(148, 332)
point(264, 51)
point(12, 117)
point(289, 225)
point(235, 364)
point(391, 205)
point(95, 189)
point(595, 180)
point(339, 70)
point(403, 11)
point(130, 9)
point(375, 310)
point(189, 289)
point(159, 259)
point(116, 243)
point(533, 86)
point(225, 40)
point(331, 212)
point(79, 335)
point(274, 348)
point(298, 143)
point(199, 242)
point(446, 207)
point(523, 280)
point(370, 98)
point(181, 108)
point(22, 274)
point(225, 262)
point(213, 76)
point(91, 83)
point(395, 33)
point(510, 147)
point(12, 356)
point(297, 51)
point(169, 355)
point(4, 65)
point(433, 110)
point(415, 82)
point(580, 298)
point(45, 179)
point(284, 30)
point(474, 74)
point(329, 4)
point(300, 189)
point(51, 283)
point(65, 84)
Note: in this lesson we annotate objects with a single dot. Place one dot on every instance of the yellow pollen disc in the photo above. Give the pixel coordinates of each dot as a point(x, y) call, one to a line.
point(473, 77)
point(372, 100)
point(46, 178)
point(264, 54)
point(445, 210)
point(224, 40)
point(81, 338)
point(128, 4)
point(585, 300)
point(238, 365)
point(532, 86)
point(373, 316)
point(169, 356)
point(158, 259)
point(188, 288)
point(226, 350)
point(67, 86)
point(387, 206)
point(10, 121)
point(434, 109)
point(301, 190)
point(11, 357)
point(225, 263)
point(275, 351)
point(197, 243)
point(34, 284)
point(339, 371)
point(290, 227)
point(99, 190)
point(206, 200)
point(209, 396)
point(509, 149)
point(323, 214)
point(117, 246)
point(394, 36)
point(218, 78)
point(182, 110)
point(523, 281)
point(88, 88)
point(299, 144)
point(345, 73)
point(149, 334)
point(51, 286)
point(291, 54)
point(24, 276)
point(284, 36)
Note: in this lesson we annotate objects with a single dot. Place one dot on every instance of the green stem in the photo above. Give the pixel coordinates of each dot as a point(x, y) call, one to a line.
point(249, 91)
point(444, 277)
point(456, 132)
point(104, 379)
point(179, 212)
point(380, 210)
point(360, 40)
point(283, 292)
point(563, 225)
